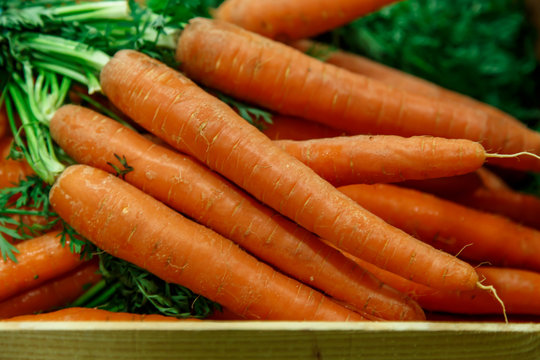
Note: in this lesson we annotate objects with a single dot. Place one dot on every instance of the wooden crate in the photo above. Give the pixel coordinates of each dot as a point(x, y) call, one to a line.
point(270, 340)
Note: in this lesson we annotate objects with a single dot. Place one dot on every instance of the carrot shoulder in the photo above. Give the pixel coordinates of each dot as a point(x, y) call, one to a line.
point(288, 20)
point(175, 109)
point(39, 259)
point(278, 77)
point(364, 159)
point(133, 226)
point(191, 188)
point(52, 294)
point(476, 235)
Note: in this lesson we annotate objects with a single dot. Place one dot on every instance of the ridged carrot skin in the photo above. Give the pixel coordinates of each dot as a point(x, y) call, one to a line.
point(11, 171)
point(54, 293)
point(39, 259)
point(88, 314)
point(285, 80)
point(289, 20)
point(175, 109)
point(292, 128)
point(131, 225)
point(476, 235)
point(369, 159)
point(518, 289)
point(394, 77)
point(186, 185)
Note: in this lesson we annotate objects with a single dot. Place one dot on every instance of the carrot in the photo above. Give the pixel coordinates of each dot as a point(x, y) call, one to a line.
point(364, 159)
point(54, 293)
point(491, 181)
point(135, 227)
point(476, 235)
point(395, 78)
point(194, 190)
point(291, 128)
point(446, 187)
point(519, 207)
point(517, 289)
point(483, 190)
point(173, 108)
point(89, 314)
point(11, 171)
point(278, 77)
point(286, 20)
point(39, 259)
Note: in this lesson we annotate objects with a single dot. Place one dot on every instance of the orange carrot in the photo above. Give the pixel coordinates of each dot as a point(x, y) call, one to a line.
point(278, 77)
point(517, 289)
point(446, 187)
point(194, 190)
point(365, 159)
point(395, 78)
point(291, 128)
point(39, 259)
point(519, 207)
point(286, 20)
point(11, 171)
point(55, 293)
point(175, 109)
point(88, 314)
point(133, 226)
point(476, 235)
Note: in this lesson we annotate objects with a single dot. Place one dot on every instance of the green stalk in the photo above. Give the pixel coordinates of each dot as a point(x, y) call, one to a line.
point(89, 294)
point(103, 10)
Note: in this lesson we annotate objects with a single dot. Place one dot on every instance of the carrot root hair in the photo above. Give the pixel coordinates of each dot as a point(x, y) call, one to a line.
point(493, 292)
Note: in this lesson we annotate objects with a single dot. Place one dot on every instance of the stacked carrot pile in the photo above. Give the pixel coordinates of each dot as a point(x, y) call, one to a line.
point(330, 213)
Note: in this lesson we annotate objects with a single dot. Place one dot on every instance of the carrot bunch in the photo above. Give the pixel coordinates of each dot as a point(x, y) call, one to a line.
point(298, 221)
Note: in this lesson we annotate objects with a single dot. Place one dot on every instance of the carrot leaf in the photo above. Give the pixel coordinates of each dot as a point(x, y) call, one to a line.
point(123, 169)
point(129, 288)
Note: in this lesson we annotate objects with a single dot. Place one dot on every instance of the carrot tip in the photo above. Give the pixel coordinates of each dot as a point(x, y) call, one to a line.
point(493, 292)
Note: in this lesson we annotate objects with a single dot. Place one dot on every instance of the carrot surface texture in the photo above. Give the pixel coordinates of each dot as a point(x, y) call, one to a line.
point(273, 75)
point(55, 293)
point(175, 109)
point(89, 314)
point(475, 235)
point(395, 78)
point(290, 20)
point(131, 225)
point(186, 185)
point(517, 289)
point(38, 260)
point(365, 159)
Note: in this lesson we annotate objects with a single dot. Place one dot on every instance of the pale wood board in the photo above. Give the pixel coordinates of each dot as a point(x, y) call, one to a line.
point(269, 340)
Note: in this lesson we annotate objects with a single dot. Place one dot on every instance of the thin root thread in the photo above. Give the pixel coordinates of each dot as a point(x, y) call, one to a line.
point(488, 155)
point(492, 290)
